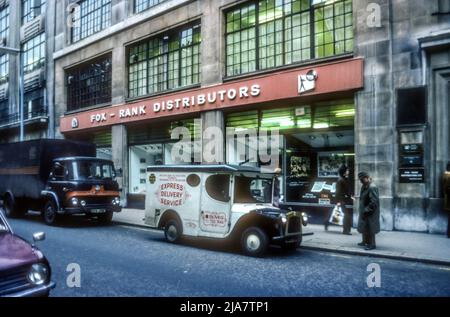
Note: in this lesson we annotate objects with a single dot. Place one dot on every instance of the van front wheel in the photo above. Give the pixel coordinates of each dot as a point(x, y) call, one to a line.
point(172, 231)
point(254, 242)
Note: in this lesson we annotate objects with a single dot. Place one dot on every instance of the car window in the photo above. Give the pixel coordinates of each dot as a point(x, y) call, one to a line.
point(218, 187)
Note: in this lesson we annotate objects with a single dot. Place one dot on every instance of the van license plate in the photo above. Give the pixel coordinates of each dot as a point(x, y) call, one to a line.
point(98, 211)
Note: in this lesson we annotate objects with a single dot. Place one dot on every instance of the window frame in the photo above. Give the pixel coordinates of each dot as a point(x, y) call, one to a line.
point(313, 7)
point(139, 81)
point(100, 17)
point(35, 44)
point(27, 11)
point(78, 95)
point(145, 5)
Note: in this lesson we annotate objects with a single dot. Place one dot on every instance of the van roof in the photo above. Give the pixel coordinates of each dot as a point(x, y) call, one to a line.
point(206, 168)
point(80, 158)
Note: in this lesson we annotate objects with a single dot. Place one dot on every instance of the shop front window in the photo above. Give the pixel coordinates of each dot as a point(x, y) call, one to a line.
point(270, 33)
point(142, 156)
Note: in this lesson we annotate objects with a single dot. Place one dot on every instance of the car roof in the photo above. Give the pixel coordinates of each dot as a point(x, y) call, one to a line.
point(228, 168)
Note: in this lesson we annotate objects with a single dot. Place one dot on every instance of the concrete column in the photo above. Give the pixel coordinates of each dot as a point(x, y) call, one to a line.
point(120, 158)
point(50, 15)
point(212, 39)
point(213, 119)
point(119, 9)
point(119, 83)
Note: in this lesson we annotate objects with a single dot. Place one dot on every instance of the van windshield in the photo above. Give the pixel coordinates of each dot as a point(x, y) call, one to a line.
point(83, 170)
point(249, 190)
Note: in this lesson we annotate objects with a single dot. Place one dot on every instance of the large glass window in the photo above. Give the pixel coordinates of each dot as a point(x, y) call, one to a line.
point(33, 104)
point(34, 53)
point(142, 5)
point(32, 9)
point(4, 30)
point(271, 33)
point(165, 62)
point(89, 84)
point(93, 16)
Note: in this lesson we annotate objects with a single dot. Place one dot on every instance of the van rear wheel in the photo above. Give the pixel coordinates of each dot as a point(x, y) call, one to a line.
point(254, 242)
point(172, 231)
point(50, 214)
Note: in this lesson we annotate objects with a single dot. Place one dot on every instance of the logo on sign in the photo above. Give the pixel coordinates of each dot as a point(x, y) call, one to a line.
point(75, 123)
point(307, 82)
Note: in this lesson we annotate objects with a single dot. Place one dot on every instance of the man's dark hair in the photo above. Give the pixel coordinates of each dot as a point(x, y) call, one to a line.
point(342, 170)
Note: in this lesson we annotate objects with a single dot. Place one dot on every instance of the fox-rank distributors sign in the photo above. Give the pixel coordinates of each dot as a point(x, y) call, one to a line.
point(284, 86)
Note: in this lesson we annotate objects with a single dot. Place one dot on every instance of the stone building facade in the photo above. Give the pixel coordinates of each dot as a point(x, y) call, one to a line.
point(25, 25)
point(370, 57)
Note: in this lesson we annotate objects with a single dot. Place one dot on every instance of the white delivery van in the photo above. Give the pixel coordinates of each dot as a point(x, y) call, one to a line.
point(221, 202)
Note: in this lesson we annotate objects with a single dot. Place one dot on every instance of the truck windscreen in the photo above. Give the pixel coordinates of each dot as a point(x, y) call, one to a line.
point(86, 170)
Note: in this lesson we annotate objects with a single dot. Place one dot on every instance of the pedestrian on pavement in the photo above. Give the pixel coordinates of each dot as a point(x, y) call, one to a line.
point(344, 198)
point(369, 211)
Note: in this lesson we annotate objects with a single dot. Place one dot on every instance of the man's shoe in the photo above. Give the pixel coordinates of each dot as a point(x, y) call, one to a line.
point(347, 233)
point(326, 227)
point(370, 247)
point(362, 244)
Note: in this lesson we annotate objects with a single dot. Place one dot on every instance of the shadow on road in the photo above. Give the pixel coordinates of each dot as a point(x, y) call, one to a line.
point(65, 221)
point(223, 246)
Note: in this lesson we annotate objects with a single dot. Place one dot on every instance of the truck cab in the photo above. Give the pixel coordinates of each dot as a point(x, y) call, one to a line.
point(220, 202)
point(81, 185)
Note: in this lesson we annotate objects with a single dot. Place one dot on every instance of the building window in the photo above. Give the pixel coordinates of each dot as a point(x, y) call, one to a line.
point(165, 62)
point(32, 9)
point(34, 53)
point(271, 33)
point(33, 104)
point(89, 84)
point(92, 16)
point(4, 30)
point(142, 5)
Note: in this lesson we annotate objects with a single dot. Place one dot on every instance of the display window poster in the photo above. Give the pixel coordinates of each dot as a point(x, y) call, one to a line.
point(300, 166)
point(328, 164)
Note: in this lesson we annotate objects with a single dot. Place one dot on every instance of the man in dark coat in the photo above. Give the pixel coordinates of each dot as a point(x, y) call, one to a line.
point(344, 198)
point(369, 212)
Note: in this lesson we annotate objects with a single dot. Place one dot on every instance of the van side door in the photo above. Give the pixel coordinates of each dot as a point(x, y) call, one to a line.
point(215, 207)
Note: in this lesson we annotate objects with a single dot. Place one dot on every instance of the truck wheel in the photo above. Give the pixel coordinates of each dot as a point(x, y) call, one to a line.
point(172, 231)
point(10, 207)
point(50, 215)
point(254, 242)
point(106, 218)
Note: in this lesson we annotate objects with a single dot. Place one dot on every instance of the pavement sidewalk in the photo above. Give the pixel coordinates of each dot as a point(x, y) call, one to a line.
point(411, 246)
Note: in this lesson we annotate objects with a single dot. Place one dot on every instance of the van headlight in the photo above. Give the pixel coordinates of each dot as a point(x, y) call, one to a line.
point(283, 219)
point(38, 274)
point(304, 218)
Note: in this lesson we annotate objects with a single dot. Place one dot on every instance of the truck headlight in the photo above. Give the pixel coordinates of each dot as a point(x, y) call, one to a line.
point(283, 219)
point(83, 203)
point(74, 201)
point(117, 200)
point(38, 274)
